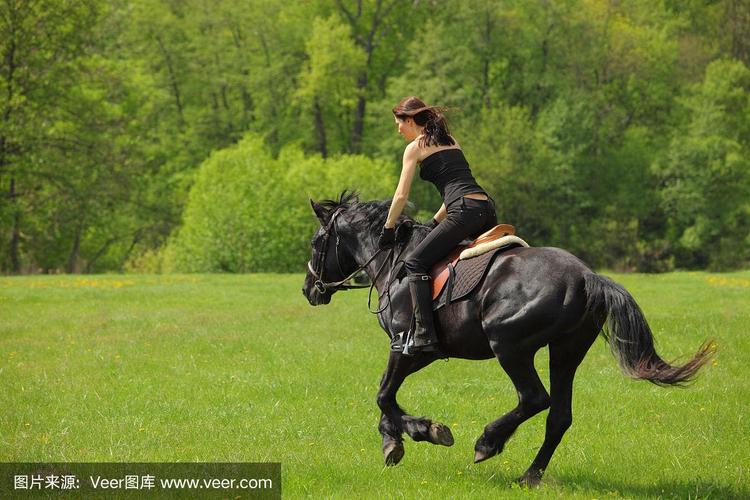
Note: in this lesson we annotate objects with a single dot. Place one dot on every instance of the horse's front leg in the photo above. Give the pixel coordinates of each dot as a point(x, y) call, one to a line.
point(394, 421)
point(424, 429)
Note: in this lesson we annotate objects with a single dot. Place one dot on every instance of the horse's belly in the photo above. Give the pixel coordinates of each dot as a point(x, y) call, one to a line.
point(461, 333)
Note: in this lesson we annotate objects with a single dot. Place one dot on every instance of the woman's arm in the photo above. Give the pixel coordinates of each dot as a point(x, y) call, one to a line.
point(440, 215)
point(401, 196)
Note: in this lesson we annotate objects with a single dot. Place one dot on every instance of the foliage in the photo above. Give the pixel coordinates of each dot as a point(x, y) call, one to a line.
point(706, 170)
point(237, 221)
point(618, 130)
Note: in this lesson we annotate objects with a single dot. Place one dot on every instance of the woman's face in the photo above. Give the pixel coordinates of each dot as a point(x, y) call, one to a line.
point(406, 128)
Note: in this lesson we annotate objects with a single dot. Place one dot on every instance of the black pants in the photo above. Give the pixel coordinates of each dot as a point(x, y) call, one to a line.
point(466, 218)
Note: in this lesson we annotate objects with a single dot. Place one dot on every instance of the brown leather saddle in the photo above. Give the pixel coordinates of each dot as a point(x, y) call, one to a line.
point(462, 276)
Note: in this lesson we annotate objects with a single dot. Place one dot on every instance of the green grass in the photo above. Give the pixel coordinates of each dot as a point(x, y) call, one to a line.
point(241, 368)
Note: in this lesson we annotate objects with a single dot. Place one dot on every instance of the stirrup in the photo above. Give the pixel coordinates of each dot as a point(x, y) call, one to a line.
point(429, 348)
point(407, 345)
point(401, 343)
point(398, 342)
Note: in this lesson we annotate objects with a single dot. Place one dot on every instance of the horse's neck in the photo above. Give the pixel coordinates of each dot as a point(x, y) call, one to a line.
point(379, 269)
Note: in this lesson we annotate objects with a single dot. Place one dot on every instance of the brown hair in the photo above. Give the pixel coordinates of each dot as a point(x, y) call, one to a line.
point(436, 131)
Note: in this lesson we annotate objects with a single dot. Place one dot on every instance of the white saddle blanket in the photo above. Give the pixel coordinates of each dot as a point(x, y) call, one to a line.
point(491, 245)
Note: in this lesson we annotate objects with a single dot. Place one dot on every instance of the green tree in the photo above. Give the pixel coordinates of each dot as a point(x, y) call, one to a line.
point(42, 43)
point(328, 83)
point(249, 212)
point(705, 173)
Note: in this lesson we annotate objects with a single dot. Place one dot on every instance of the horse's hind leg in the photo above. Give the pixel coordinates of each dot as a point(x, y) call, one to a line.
point(532, 398)
point(564, 357)
point(394, 421)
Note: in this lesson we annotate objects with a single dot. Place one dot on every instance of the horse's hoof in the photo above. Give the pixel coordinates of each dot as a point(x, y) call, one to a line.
point(393, 453)
point(441, 434)
point(483, 451)
point(530, 479)
point(480, 456)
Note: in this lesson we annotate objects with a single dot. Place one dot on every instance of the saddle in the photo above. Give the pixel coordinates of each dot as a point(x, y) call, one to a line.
point(456, 275)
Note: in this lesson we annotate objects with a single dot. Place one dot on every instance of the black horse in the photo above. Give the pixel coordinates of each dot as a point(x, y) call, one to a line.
point(529, 298)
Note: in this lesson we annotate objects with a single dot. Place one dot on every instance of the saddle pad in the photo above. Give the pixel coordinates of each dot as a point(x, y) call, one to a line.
point(466, 275)
point(480, 248)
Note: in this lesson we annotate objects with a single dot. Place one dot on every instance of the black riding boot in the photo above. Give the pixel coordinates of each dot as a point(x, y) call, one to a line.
point(423, 338)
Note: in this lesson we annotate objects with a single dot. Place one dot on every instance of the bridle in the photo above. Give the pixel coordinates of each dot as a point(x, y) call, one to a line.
point(317, 270)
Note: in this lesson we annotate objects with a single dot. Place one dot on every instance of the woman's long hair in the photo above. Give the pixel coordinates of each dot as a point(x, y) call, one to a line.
point(436, 131)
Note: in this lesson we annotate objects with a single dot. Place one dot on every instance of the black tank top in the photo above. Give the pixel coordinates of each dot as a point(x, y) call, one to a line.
point(449, 171)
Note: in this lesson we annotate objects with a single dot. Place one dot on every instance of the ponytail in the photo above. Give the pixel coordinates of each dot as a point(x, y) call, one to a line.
point(436, 131)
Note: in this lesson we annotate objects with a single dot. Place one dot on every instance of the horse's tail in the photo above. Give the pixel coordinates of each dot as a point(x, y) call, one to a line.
point(630, 337)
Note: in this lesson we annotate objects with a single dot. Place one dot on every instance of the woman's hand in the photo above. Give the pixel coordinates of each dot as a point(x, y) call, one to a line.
point(387, 238)
point(432, 224)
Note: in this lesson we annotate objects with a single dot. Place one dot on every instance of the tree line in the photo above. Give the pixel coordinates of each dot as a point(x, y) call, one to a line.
point(187, 135)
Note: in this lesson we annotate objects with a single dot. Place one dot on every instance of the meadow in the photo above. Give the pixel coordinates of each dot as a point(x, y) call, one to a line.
point(239, 368)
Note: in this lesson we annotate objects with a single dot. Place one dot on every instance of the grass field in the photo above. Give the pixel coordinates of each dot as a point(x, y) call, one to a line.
point(241, 368)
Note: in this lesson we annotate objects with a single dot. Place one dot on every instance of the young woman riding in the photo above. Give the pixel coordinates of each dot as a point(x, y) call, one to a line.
point(467, 210)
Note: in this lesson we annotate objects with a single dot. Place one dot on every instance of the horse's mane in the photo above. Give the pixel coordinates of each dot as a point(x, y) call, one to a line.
point(369, 216)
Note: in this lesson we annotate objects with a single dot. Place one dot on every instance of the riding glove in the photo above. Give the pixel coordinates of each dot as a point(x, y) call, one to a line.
point(432, 224)
point(387, 238)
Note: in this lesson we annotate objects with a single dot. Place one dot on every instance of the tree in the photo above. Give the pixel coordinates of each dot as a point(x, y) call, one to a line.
point(249, 212)
point(705, 173)
point(41, 43)
point(328, 85)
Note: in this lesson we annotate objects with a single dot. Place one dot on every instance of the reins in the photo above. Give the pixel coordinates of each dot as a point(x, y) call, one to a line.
point(387, 283)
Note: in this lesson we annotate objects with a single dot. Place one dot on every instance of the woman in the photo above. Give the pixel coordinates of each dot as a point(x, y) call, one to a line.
point(467, 210)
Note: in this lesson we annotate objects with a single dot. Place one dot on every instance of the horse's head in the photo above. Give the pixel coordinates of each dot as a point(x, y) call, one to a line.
point(332, 257)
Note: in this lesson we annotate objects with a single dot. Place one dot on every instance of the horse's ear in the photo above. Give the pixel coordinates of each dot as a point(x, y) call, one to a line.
point(321, 212)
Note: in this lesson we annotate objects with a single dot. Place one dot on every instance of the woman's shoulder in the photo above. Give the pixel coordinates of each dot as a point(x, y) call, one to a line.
point(422, 152)
point(418, 140)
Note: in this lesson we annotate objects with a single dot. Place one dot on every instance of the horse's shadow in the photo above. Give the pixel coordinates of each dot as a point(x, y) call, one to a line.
point(696, 488)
